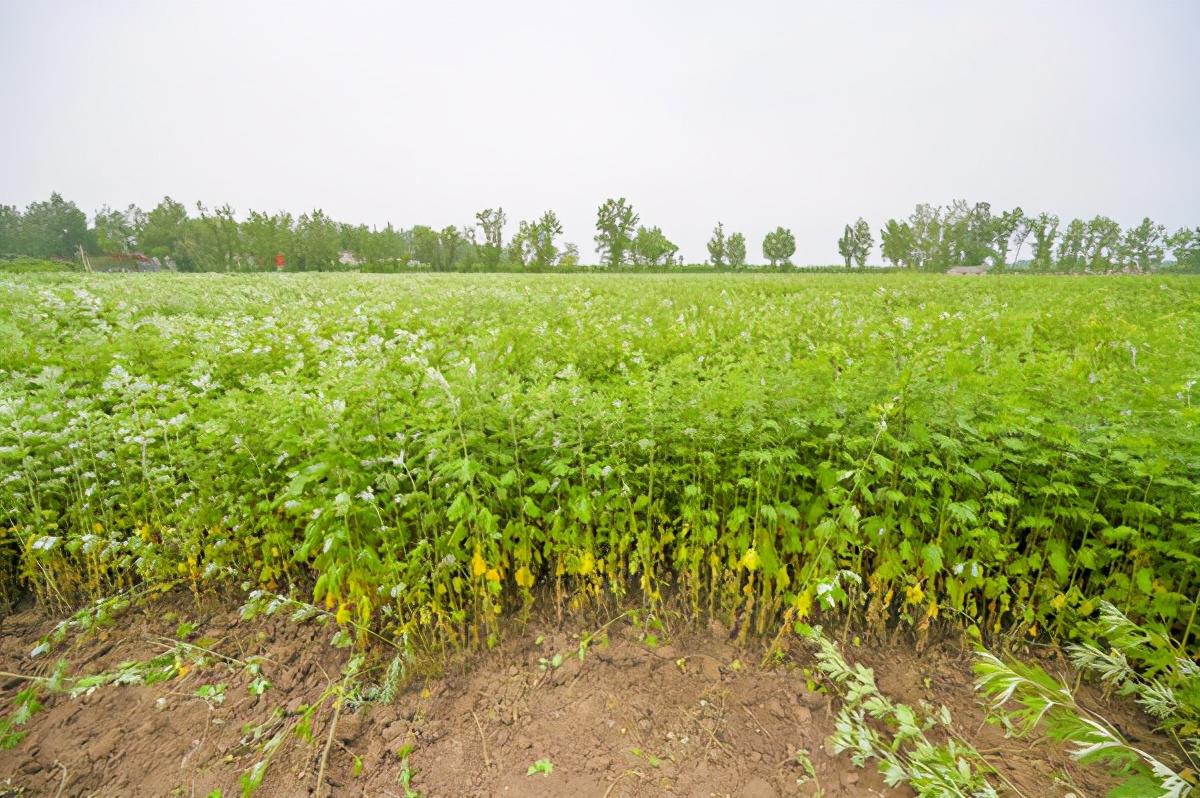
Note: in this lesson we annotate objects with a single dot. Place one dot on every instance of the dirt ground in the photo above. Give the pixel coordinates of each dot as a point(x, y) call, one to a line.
point(693, 716)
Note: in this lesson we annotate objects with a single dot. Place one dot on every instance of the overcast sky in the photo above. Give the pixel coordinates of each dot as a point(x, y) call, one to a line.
point(758, 114)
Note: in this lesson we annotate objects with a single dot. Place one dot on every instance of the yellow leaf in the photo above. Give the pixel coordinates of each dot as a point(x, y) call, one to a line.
point(914, 594)
point(586, 564)
point(804, 604)
point(523, 577)
point(750, 560)
point(478, 566)
point(492, 575)
point(933, 609)
point(1033, 630)
point(343, 613)
point(1058, 602)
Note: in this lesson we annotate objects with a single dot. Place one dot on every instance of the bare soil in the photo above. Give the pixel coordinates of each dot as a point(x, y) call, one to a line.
point(694, 716)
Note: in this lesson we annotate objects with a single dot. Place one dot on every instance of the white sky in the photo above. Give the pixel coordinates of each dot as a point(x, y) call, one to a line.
point(803, 114)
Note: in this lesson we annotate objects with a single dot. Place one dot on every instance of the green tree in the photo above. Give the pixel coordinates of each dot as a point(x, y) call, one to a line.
point(1044, 229)
point(451, 248)
point(863, 242)
point(652, 248)
point(520, 246)
point(266, 235)
point(896, 243)
point(545, 249)
point(318, 242)
point(925, 225)
point(491, 221)
point(55, 228)
point(971, 229)
point(1143, 246)
point(615, 226)
point(569, 258)
point(1020, 236)
point(10, 230)
point(735, 251)
point(1005, 230)
point(846, 245)
point(165, 231)
point(1185, 246)
point(425, 245)
point(117, 231)
point(213, 239)
point(778, 247)
point(534, 246)
point(1070, 246)
point(716, 247)
point(1102, 244)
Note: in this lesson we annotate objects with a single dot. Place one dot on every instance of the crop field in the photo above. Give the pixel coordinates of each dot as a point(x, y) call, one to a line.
point(425, 461)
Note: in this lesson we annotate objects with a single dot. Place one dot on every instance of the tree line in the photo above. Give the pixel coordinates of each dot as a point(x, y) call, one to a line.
point(215, 239)
point(937, 238)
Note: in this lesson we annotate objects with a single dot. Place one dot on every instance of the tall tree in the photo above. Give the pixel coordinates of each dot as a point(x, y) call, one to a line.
point(779, 246)
point(1185, 246)
point(615, 226)
point(54, 228)
point(735, 251)
point(716, 247)
point(863, 242)
point(164, 233)
point(846, 245)
point(972, 230)
point(926, 229)
point(213, 239)
point(1070, 246)
point(318, 242)
point(451, 246)
point(10, 230)
point(1045, 232)
point(1005, 229)
point(117, 231)
point(1102, 244)
point(520, 246)
point(1142, 246)
point(652, 248)
point(425, 246)
point(265, 236)
point(491, 221)
point(896, 243)
point(534, 245)
point(570, 256)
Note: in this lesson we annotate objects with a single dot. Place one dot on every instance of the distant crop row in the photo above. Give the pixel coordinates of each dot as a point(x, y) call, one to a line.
point(422, 456)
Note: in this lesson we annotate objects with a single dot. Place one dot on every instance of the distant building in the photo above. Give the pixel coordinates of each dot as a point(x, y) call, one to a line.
point(977, 270)
point(347, 259)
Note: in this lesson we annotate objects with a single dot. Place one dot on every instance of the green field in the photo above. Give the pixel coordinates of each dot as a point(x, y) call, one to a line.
point(423, 454)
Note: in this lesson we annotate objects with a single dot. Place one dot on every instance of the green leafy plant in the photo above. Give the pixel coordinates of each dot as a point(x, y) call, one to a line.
point(1024, 697)
point(869, 725)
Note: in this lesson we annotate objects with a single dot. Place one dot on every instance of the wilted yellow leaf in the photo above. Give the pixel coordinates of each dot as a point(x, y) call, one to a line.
point(750, 560)
point(804, 604)
point(913, 594)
